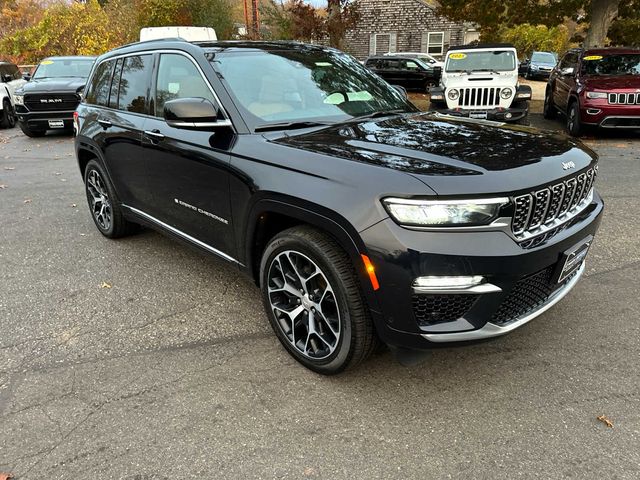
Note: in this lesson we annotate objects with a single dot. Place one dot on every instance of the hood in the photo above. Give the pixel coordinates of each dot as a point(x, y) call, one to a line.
point(479, 79)
point(611, 82)
point(43, 85)
point(543, 64)
point(452, 154)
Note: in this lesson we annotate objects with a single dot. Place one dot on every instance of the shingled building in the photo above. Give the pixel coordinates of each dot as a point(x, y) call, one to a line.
point(389, 26)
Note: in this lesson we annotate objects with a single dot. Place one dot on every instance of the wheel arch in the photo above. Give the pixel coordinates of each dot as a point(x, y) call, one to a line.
point(274, 213)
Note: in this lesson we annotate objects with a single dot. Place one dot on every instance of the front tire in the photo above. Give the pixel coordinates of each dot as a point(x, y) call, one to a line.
point(574, 124)
point(7, 117)
point(104, 204)
point(549, 110)
point(313, 301)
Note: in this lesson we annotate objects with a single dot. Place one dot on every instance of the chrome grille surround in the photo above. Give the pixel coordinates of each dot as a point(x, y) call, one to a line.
point(624, 98)
point(479, 97)
point(541, 214)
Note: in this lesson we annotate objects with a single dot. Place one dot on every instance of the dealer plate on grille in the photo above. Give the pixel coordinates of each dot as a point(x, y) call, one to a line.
point(56, 123)
point(480, 114)
point(573, 258)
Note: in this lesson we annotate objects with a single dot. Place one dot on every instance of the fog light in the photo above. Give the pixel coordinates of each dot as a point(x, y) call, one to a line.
point(508, 115)
point(448, 282)
point(453, 284)
point(593, 111)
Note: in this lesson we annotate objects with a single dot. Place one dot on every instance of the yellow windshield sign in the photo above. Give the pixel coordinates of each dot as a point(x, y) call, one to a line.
point(458, 56)
point(593, 57)
point(46, 62)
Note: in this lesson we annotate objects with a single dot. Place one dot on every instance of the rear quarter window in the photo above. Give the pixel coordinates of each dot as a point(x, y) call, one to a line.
point(134, 83)
point(98, 92)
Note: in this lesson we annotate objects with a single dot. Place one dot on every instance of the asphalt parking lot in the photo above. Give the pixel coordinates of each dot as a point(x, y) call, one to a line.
point(143, 359)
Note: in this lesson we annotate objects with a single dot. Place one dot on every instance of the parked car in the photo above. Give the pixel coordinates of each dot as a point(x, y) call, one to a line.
point(409, 73)
point(596, 87)
point(539, 65)
point(481, 81)
point(425, 57)
point(360, 217)
point(10, 80)
point(48, 100)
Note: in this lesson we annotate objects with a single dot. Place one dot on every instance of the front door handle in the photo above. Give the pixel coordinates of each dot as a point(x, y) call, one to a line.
point(105, 124)
point(154, 135)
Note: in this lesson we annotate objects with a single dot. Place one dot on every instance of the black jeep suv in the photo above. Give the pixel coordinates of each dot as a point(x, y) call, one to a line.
point(359, 217)
point(48, 100)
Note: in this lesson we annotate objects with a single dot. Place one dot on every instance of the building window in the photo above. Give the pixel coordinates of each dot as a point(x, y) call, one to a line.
point(381, 43)
point(435, 43)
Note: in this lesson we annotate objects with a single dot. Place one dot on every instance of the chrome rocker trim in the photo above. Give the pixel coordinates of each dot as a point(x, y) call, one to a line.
point(183, 235)
point(493, 330)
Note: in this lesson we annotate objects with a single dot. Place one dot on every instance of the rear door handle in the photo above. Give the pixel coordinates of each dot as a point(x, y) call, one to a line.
point(154, 135)
point(105, 124)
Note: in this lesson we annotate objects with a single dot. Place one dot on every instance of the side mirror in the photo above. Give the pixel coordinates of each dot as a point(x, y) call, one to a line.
point(567, 71)
point(6, 78)
point(26, 76)
point(402, 90)
point(193, 113)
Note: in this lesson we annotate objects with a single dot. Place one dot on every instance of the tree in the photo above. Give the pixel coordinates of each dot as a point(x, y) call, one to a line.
point(625, 30)
point(528, 38)
point(341, 16)
point(492, 15)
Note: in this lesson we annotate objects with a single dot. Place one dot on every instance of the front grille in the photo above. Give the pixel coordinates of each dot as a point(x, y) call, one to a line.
point(47, 102)
point(527, 295)
point(624, 98)
point(434, 309)
point(479, 97)
point(535, 212)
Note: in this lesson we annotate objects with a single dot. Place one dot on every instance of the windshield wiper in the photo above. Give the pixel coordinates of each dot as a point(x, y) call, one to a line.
point(376, 114)
point(490, 70)
point(290, 125)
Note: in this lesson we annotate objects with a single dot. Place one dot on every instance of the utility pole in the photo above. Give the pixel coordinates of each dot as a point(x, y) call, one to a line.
point(246, 18)
point(255, 20)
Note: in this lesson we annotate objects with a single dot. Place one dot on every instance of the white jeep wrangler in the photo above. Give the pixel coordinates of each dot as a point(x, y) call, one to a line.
point(481, 81)
point(10, 80)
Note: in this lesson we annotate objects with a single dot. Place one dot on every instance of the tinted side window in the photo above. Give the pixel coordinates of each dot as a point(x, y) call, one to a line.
point(115, 84)
point(98, 92)
point(134, 83)
point(178, 77)
point(569, 60)
point(408, 64)
point(15, 71)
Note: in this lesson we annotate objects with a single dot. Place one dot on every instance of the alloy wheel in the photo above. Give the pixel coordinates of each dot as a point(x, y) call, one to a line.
point(304, 304)
point(99, 200)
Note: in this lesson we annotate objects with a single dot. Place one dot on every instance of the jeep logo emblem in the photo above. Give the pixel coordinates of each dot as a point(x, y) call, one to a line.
point(568, 165)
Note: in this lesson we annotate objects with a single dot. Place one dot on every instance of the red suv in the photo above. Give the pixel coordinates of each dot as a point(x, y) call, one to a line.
point(598, 87)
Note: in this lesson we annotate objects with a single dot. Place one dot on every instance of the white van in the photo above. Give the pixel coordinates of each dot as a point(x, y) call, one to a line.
point(190, 34)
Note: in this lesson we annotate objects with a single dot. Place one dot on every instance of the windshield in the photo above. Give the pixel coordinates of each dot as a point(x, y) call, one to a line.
point(628, 64)
point(64, 67)
point(541, 57)
point(304, 85)
point(498, 60)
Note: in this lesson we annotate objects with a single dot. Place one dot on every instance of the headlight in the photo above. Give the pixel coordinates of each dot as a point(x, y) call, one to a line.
point(506, 93)
point(444, 213)
point(453, 94)
point(596, 94)
point(18, 99)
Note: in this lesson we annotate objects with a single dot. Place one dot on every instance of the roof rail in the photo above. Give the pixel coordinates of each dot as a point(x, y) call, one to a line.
point(173, 39)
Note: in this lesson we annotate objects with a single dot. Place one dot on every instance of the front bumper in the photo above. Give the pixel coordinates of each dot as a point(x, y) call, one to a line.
point(40, 120)
point(523, 280)
point(598, 112)
point(495, 114)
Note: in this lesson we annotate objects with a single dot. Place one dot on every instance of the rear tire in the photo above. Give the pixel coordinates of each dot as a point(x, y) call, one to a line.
point(32, 133)
point(7, 117)
point(104, 204)
point(574, 124)
point(313, 301)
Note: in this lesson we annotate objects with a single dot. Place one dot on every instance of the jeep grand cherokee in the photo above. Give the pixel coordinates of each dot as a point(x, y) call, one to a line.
point(359, 217)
